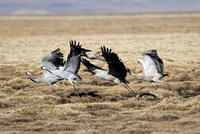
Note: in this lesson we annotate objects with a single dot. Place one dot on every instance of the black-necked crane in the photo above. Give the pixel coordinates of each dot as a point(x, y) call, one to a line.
point(117, 71)
point(153, 69)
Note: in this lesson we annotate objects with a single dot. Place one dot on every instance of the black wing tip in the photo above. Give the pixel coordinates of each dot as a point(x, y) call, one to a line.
point(105, 50)
point(58, 53)
point(153, 54)
point(85, 61)
point(56, 50)
point(116, 66)
point(150, 52)
point(109, 55)
point(57, 57)
point(75, 43)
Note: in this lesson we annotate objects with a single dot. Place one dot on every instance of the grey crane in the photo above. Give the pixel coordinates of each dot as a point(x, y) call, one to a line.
point(153, 69)
point(51, 61)
point(117, 70)
point(69, 70)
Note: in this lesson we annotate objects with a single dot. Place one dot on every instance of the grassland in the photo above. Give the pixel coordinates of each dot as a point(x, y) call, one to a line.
point(27, 107)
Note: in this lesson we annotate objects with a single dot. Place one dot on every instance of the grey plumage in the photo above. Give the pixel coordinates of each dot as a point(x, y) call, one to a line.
point(156, 59)
point(69, 71)
point(51, 61)
point(153, 69)
point(56, 69)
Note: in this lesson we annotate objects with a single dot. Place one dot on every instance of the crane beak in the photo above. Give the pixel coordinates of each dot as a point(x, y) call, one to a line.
point(98, 54)
point(27, 73)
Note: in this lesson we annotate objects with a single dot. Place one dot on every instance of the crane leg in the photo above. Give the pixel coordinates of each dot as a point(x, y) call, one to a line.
point(82, 89)
point(73, 84)
point(76, 91)
point(143, 94)
point(129, 89)
point(53, 91)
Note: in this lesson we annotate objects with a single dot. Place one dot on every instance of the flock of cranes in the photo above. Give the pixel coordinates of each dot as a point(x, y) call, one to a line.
point(56, 69)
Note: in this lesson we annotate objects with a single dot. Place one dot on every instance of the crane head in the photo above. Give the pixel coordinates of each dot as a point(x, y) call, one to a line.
point(43, 68)
point(27, 73)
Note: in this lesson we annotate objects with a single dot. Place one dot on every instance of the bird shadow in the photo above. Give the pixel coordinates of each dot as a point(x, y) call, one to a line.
point(97, 83)
point(80, 94)
point(189, 95)
point(66, 98)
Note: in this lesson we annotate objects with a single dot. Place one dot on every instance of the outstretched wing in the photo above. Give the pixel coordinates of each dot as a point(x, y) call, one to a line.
point(115, 65)
point(75, 49)
point(73, 64)
point(156, 59)
point(53, 60)
point(91, 67)
point(153, 54)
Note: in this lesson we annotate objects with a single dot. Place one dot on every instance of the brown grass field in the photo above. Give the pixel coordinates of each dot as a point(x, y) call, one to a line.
point(27, 107)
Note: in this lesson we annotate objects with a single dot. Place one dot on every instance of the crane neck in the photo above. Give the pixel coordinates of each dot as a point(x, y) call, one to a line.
point(34, 80)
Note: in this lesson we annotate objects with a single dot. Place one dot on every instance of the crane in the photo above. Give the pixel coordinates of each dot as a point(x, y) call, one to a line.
point(117, 71)
point(68, 70)
point(153, 69)
point(51, 61)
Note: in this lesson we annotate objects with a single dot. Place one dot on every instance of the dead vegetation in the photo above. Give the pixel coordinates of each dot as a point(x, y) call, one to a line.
point(27, 107)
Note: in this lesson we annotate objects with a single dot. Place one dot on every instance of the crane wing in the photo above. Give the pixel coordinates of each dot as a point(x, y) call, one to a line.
point(75, 49)
point(73, 64)
point(91, 67)
point(153, 53)
point(155, 58)
point(53, 60)
point(51, 77)
point(115, 65)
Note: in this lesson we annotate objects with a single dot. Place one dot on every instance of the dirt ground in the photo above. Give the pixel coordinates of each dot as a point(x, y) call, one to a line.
point(27, 107)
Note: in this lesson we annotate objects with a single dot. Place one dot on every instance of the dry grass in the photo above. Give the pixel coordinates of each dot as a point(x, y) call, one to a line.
point(30, 107)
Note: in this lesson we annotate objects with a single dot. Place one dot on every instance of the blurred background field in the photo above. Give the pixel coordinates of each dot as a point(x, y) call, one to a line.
point(30, 107)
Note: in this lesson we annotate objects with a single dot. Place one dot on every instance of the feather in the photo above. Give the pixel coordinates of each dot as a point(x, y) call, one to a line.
point(115, 65)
